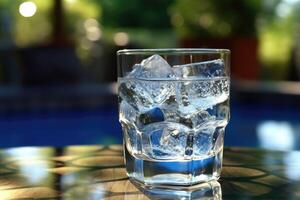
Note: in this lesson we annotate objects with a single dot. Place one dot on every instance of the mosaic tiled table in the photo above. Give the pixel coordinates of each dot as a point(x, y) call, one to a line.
point(97, 172)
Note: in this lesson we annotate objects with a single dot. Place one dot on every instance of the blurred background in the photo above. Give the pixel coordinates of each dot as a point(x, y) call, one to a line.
point(58, 65)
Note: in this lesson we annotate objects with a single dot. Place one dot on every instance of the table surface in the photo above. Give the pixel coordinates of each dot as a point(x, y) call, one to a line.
point(97, 172)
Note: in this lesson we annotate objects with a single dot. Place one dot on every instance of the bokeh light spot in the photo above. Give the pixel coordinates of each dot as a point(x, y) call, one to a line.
point(276, 135)
point(27, 9)
point(90, 23)
point(121, 39)
point(93, 31)
point(70, 1)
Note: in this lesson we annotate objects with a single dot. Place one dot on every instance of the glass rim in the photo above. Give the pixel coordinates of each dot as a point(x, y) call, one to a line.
point(173, 51)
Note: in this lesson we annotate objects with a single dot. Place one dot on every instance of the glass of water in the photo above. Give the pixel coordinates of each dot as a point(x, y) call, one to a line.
point(173, 109)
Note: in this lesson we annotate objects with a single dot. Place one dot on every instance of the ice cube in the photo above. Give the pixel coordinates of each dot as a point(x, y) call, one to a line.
point(201, 119)
point(164, 115)
point(182, 96)
point(127, 113)
point(203, 141)
point(206, 93)
point(207, 69)
point(174, 140)
point(169, 108)
point(154, 67)
point(158, 114)
point(131, 136)
point(221, 113)
point(151, 140)
point(164, 140)
point(197, 120)
point(151, 145)
point(171, 113)
point(201, 94)
point(135, 95)
point(159, 90)
point(187, 110)
point(151, 116)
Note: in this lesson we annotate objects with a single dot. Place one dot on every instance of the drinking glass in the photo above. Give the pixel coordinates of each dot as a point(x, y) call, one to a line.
point(173, 109)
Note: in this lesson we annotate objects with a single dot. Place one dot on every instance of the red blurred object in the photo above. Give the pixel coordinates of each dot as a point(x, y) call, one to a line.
point(244, 60)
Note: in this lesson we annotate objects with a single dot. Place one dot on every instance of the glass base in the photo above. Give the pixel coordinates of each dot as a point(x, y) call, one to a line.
point(172, 172)
point(202, 191)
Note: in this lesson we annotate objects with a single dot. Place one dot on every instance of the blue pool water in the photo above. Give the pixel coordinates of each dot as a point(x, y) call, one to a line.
point(97, 126)
point(250, 125)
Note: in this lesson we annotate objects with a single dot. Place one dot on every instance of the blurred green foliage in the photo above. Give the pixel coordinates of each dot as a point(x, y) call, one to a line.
point(160, 24)
point(276, 43)
point(25, 31)
point(77, 12)
point(136, 13)
point(214, 18)
point(37, 29)
point(278, 38)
